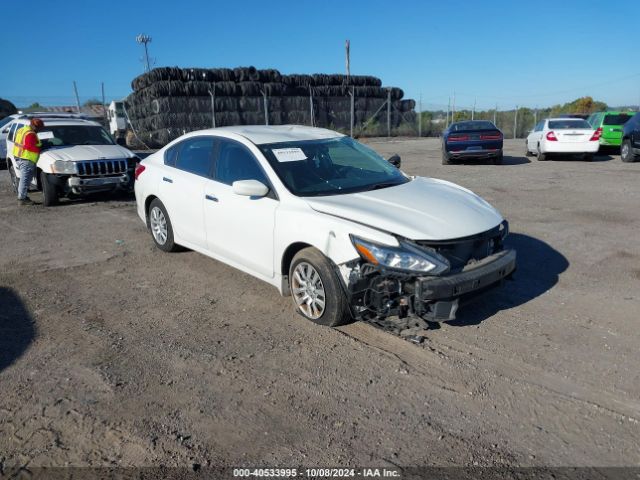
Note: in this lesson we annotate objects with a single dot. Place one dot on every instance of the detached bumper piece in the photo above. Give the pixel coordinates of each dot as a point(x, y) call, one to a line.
point(383, 293)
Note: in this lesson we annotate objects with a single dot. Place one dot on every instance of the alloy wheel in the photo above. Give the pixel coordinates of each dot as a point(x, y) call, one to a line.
point(158, 224)
point(308, 290)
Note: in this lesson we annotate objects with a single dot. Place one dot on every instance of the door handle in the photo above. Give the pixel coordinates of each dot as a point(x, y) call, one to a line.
point(166, 179)
point(211, 197)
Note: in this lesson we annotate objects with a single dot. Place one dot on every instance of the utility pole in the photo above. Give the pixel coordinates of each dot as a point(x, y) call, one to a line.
point(515, 122)
point(453, 108)
point(420, 116)
point(448, 108)
point(495, 114)
point(104, 109)
point(145, 40)
point(388, 112)
point(473, 112)
point(347, 46)
point(75, 90)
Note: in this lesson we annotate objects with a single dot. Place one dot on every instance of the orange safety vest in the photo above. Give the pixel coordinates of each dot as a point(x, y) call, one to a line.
point(19, 148)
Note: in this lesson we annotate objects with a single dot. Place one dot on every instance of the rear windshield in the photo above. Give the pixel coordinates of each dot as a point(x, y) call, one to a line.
point(568, 124)
point(616, 119)
point(473, 125)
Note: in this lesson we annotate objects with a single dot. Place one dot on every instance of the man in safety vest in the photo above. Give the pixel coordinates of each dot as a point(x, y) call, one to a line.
point(26, 151)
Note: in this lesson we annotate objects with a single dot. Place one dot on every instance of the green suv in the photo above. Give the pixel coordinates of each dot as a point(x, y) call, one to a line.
point(610, 126)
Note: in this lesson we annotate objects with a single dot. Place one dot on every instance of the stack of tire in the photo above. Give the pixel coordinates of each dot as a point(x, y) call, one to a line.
point(169, 101)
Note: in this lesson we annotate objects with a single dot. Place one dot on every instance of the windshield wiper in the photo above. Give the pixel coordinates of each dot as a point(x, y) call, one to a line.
point(378, 186)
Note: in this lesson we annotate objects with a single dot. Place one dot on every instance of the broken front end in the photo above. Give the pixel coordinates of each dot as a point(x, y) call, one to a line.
point(426, 279)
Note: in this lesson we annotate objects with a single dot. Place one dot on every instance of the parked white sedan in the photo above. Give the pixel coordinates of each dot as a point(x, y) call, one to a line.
point(324, 219)
point(563, 137)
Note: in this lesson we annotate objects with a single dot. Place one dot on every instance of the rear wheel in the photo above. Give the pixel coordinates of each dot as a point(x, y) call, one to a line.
point(626, 152)
point(445, 159)
point(316, 290)
point(588, 157)
point(498, 160)
point(160, 226)
point(13, 179)
point(49, 191)
point(541, 156)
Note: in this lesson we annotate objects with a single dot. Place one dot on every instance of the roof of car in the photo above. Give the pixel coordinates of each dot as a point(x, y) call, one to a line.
point(261, 134)
point(61, 121)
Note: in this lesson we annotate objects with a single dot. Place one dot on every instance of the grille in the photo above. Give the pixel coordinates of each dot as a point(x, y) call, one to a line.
point(464, 251)
point(101, 167)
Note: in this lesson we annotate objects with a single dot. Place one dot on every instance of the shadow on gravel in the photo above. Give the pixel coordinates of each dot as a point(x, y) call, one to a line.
point(101, 197)
point(17, 328)
point(506, 160)
point(539, 266)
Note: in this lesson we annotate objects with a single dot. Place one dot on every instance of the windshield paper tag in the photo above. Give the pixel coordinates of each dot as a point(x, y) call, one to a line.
point(45, 135)
point(289, 154)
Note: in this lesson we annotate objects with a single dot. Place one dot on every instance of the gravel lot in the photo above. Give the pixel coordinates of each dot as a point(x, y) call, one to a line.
point(114, 353)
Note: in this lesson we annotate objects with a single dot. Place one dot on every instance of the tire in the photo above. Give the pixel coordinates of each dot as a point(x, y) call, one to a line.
point(160, 227)
point(527, 152)
point(626, 152)
point(541, 156)
point(498, 160)
point(445, 158)
point(588, 157)
point(49, 191)
point(310, 264)
point(13, 179)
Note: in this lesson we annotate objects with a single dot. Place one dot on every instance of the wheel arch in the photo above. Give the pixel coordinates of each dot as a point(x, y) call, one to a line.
point(285, 263)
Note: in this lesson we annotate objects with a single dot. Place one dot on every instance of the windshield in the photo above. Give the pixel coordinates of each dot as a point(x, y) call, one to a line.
point(616, 119)
point(330, 167)
point(568, 124)
point(68, 135)
point(4, 121)
point(473, 125)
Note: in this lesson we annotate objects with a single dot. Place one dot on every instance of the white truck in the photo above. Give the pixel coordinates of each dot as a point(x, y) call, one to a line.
point(117, 120)
point(78, 157)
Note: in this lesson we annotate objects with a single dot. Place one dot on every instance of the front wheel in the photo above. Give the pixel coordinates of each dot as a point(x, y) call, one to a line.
point(316, 290)
point(49, 191)
point(626, 152)
point(14, 180)
point(160, 227)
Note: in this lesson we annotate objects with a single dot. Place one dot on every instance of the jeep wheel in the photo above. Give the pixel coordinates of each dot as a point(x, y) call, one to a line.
point(316, 290)
point(49, 190)
point(13, 179)
point(160, 227)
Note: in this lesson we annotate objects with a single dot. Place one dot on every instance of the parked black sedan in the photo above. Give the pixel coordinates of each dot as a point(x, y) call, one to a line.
point(475, 139)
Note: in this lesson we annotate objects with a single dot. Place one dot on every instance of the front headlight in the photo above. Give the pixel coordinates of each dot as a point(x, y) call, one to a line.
point(60, 166)
point(405, 257)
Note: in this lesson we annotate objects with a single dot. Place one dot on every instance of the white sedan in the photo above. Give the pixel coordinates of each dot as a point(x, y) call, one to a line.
point(563, 137)
point(326, 220)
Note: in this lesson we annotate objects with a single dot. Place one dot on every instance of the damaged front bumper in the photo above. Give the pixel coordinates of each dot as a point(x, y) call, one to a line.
point(381, 293)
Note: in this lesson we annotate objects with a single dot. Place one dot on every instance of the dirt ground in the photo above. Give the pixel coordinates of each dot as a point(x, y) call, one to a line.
point(114, 353)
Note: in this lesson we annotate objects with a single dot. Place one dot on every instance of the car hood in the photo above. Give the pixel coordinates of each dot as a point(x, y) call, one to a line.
point(422, 209)
point(88, 152)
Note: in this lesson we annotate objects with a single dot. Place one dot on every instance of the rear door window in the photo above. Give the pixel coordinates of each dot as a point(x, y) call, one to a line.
point(195, 155)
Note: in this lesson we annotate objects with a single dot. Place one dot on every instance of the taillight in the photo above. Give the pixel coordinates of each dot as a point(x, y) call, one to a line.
point(491, 136)
point(458, 138)
point(596, 135)
point(139, 169)
point(551, 137)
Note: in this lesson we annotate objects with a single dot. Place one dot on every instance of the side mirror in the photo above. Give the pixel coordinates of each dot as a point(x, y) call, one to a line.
point(250, 188)
point(394, 160)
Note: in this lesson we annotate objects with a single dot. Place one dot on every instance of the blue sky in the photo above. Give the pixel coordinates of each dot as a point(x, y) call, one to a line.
point(506, 52)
